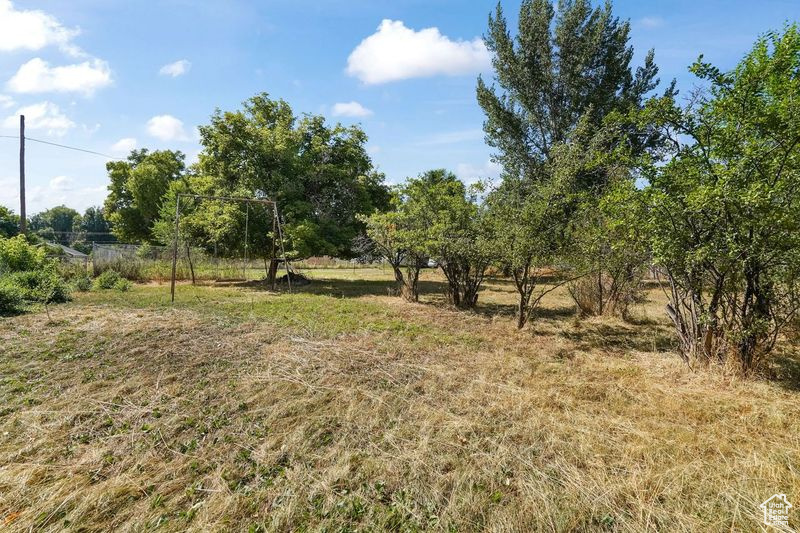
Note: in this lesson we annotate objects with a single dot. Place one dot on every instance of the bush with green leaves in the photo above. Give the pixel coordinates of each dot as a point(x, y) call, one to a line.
point(82, 284)
point(724, 212)
point(42, 286)
point(11, 300)
point(28, 276)
point(123, 285)
point(107, 280)
point(17, 255)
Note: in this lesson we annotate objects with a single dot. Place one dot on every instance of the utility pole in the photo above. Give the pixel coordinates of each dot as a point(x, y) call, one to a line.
point(23, 222)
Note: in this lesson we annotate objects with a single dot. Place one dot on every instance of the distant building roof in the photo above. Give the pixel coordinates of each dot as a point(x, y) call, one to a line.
point(69, 251)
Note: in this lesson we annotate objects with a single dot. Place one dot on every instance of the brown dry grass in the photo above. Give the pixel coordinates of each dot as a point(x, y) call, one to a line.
point(242, 410)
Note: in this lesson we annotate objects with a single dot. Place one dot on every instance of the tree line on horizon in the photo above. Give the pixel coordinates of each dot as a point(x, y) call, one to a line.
point(604, 175)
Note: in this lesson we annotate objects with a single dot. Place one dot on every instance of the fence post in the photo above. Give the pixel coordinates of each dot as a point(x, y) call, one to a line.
point(175, 246)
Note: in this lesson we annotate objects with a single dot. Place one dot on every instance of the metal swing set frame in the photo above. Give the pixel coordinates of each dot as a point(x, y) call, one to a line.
point(276, 229)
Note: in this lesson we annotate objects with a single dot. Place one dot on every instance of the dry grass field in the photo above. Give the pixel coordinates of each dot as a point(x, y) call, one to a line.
point(339, 408)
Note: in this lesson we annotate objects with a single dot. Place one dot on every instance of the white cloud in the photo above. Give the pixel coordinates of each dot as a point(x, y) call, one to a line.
point(124, 146)
point(651, 22)
point(61, 183)
point(33, 30)
point(178, 68)
point(37, 76)
point(396, 52)
point(166, 128)
point(470, 174)
point(59, 190)
point(454, 137)
point(350, 109)
point(45, 116)
point(6, 101)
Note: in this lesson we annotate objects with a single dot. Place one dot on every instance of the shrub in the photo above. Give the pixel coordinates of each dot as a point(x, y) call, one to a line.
point(42, 286)
point(122, 285)
point(107, 280)
point(724, 212)
point(10, 298)
point(16, 255)
point(82, 284)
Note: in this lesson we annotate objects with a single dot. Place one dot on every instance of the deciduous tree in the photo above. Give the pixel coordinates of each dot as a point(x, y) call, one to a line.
point(137, 189)
point(725, 211)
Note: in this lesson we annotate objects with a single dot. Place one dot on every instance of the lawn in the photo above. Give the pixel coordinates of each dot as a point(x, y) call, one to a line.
point(341, 408)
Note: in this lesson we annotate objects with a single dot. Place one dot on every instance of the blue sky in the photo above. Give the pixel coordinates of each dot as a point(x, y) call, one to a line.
point(108, 75)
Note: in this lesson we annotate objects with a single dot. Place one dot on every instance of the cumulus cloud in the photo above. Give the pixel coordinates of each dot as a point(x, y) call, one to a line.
point(61, 190)
point(37, 76)
point(178, 68)
point(396, 52)
point(61, 183)
point(44, 116)
point(166, 128)
point(124, 146)
point(470, 174)
point(33, 30)
point(350, 109)
point(6, 101)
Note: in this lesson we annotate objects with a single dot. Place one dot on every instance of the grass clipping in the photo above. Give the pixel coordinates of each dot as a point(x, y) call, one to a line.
point(124, 419)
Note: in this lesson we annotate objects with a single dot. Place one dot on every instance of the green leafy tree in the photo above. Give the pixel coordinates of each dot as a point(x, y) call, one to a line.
point(136, 191)
point(433, 216)
point(9, 222)
point(92, 227)
point(321, 176)
point(448, 226)
point(56, 224)
point(94, 221)
point(564, 66)
point(725, 210)
point(610, 244)
point(528, 224)
point(565, 93)
point(393, 236)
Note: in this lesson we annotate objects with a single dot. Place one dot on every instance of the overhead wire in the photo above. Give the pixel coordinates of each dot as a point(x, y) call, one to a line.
point(65, 146)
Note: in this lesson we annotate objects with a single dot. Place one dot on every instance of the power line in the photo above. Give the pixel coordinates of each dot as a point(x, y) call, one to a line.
point(74, 148)
point(65, 146)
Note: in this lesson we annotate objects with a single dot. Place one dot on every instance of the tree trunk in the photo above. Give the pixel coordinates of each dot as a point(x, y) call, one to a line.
point(189, 258)
point(411, 286)
point(522, 313)
point(272, 272)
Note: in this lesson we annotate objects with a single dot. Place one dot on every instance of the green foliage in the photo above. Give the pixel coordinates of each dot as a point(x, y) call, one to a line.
point(432, 216)
point(41, 286)
point(562, 118)
point(17, 255)
point(610, 245)
point(725, 210)
point(566, 65)
point(9, 222)
point(107, 280)
point(528, 222)
point(447, 225)
point(123, 285)
point(11, 300)
point(392, 235)
point(320, 175)
point(56, 224)
point(82, 283)
point(26, 275)
point(94, 221)
point(137, 189)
